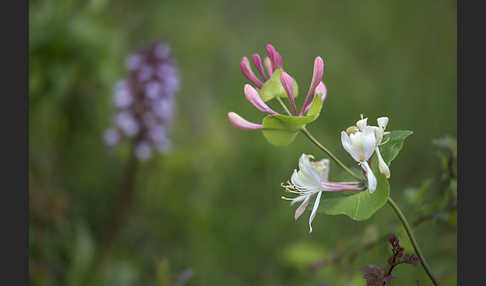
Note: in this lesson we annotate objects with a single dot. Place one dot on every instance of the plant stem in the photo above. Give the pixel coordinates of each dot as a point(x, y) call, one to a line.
point(320, 146)
point(124, 202)
point(283, 105)
point(416, 247)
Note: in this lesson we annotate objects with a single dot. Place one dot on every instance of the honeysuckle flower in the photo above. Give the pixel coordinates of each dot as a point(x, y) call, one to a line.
point(273, 62)
point(144, 101)
point(379, 133)
point(311, 179)
point(361, 141)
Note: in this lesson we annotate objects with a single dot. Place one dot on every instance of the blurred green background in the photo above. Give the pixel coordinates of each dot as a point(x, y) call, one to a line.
point(212, 207)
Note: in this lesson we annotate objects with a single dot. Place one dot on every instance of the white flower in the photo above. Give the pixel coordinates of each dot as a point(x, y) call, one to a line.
point(361, 141)
point(310, 179)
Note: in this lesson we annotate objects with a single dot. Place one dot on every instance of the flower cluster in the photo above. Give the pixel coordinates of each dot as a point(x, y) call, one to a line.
point(273, 65)
point(272, 62)
point(313, 178)
point(361, 142)
point(145, 101)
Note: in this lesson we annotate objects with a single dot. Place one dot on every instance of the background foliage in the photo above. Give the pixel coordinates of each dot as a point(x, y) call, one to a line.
point(212, 207)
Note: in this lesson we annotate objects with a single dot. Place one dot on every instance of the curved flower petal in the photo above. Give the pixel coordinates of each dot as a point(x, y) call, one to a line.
point(252, 96)
point(346, 142)
point(363, 143)
point(369, 142)
point(241, 123)
point(300, 210)
point(308, 170)
point(362, 124)
point(314, 210)
point(322, 167)
point(382, 165)
point(382, 122)
point(370, 176)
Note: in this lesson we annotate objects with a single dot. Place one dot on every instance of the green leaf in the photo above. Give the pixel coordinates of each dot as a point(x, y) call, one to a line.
point(394, 143)
point(273, 87)
point(281, 130)
point(316, 106)
point(358, 206)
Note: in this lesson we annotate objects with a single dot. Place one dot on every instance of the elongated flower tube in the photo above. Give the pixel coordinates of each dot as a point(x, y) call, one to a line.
point(241, 123)
point(311, 179)
point(316, 79)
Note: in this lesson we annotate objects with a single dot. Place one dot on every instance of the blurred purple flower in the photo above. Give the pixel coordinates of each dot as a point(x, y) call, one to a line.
point(144, 101)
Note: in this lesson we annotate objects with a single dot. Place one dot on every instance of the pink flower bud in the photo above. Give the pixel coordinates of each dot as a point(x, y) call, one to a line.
point(287, 83)
point(272, 53)
point(320, 89)
point(248, 73)
point(241, 123)
point(252, 96)
point(316, 78)
point(258, 63)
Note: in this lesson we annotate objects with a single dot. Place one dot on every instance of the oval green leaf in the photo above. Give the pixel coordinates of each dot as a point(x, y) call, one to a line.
point(281, 130)
point(358, 206)
point(394, 143)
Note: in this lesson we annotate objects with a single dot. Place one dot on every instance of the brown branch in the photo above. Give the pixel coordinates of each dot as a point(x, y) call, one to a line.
point(124, 202)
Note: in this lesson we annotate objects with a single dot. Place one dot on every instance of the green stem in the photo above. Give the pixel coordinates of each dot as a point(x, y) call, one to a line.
point(320, 146)
point(416, 247)
point(283, 105)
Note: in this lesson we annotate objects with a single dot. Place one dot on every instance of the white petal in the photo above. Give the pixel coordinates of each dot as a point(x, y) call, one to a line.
point(371, 177)
point(308, 172)
point(304, 182)
point(382, 122)
point(362, 123)
point(300, 210)
point(382, 165)
point(314, 210)
point(346, 141)
point(369, 143)
point(297, 199)
point(322, 168)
